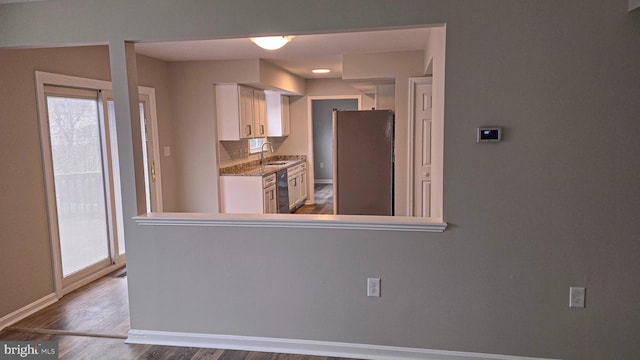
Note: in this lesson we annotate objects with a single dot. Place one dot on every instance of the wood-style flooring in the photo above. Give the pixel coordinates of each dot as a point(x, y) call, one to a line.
point(323, 201)
point(92, 323)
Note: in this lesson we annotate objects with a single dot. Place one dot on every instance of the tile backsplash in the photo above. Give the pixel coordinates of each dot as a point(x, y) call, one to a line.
point(236, 152)
point(231, 151)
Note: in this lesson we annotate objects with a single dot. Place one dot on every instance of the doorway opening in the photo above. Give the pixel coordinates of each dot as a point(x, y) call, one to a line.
point(150, 149)
point(321, 149)
point(78, 154)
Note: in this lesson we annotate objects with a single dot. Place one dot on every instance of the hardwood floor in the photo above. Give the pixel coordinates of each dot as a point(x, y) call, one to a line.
point(101, 308)
point(323, 201)
point(92, 323)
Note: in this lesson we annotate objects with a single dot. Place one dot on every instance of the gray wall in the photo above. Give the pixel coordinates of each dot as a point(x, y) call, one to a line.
point(554, 205)
point(155, 73)
point(26, 272)
point(321, 113)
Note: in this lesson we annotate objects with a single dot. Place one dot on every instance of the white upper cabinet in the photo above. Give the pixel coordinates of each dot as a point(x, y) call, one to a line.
point(260, 113)
point(241, 111)
point(245, 117)
point(278, 122)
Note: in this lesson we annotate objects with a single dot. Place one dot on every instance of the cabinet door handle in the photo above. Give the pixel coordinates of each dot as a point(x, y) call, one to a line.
point(249, 127)
point(262, 129)
point(271, 194)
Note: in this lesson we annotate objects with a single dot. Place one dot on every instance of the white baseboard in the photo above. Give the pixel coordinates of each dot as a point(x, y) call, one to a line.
point(305, 347)
point(27, 310)
point(323, 181)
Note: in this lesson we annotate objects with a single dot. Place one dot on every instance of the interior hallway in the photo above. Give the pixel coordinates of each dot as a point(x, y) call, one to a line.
point(92, 323)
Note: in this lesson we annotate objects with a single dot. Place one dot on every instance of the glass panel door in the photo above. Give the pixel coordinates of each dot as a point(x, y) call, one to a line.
point(79, 179)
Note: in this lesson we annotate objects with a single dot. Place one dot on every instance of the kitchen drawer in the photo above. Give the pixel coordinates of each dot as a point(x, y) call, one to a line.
point(269, 180)
point(295, 170)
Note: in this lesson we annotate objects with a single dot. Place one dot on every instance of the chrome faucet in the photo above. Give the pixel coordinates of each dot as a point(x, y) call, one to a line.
point(262, 151)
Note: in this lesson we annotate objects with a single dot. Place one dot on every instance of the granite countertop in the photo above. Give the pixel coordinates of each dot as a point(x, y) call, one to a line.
point(253, 168)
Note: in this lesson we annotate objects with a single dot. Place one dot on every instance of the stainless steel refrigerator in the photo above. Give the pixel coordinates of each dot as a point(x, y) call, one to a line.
point(363, 162)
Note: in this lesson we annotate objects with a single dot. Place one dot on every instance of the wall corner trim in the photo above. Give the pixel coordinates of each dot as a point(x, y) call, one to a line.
point(305, 347)
point(27, 310)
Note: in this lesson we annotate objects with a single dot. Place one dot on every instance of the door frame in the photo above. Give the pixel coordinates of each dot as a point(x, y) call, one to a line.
point(411, 137)
point(153, 126)
point(113, 197)
point(155, 150)
point(42, 79)
point(437, 148)
point(310, 170)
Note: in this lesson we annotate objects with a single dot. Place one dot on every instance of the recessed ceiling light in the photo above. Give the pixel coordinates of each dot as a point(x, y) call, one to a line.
point(320, 71)
point(271, 42)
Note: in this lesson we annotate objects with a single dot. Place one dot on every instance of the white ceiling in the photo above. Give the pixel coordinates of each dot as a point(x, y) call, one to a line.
point(300, 56)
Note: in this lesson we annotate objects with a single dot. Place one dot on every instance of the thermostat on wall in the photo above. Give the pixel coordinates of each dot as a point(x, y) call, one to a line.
point(489, 134)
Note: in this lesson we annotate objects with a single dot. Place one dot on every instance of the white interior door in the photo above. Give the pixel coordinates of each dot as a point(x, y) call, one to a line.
point(150, 155)
point(150, 147)
point(423, 103)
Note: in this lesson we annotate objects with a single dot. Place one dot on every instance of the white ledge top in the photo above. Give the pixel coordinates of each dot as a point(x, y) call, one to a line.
point(355, 222)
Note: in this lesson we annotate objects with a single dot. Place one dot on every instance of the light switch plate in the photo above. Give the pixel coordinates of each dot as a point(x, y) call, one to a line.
point(576, 297)
point(373, 287)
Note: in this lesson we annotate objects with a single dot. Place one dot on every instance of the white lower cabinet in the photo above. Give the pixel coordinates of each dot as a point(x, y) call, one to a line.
point(259, 195)
point(303, 186)
point(270, 194)
point(248, 194)
point(293, 192)
point(297, 185)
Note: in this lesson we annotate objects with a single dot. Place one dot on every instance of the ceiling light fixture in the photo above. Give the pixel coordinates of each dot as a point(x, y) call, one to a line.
point(320, 71)
point(271, 42)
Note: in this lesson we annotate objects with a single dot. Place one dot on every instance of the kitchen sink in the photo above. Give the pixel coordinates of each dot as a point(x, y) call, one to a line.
point(277, 163)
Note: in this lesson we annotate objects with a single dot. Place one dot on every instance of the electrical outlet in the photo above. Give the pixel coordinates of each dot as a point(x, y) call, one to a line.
point(373, 287)
point(576, 297)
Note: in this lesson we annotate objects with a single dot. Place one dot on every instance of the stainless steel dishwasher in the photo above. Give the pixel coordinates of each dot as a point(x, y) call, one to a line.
point(283, 191)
